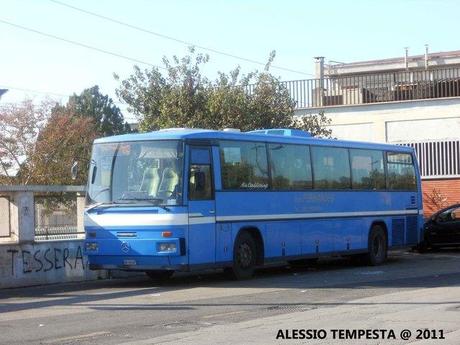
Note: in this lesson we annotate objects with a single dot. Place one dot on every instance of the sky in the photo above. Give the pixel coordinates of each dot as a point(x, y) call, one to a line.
point(35, 66)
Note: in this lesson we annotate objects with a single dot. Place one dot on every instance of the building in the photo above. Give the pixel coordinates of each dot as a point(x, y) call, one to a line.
point(411, 100)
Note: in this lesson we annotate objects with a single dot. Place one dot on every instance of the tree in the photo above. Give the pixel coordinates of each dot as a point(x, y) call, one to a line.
point(183, 97)
point(56, 150)
point(20, 125)
point(39, 143)
point(316, 124)
point(91, 103)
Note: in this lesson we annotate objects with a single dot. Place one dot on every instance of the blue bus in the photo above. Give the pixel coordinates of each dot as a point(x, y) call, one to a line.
point(191, 199)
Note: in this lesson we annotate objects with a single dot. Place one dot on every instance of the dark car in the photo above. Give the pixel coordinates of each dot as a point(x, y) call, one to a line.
point(442, 229)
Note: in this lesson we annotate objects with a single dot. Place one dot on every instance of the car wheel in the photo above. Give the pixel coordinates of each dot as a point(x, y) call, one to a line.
point(244, 257)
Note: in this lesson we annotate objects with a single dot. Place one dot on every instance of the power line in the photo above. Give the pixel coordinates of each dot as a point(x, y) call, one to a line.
point(138, 28)
point(108, 52)
point(35, 91)
point(50, 93)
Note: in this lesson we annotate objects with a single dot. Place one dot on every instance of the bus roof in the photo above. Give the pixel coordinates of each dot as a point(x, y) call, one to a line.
point(209, 134)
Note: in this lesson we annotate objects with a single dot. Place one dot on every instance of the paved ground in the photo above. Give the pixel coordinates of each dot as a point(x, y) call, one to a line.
point(411, 291)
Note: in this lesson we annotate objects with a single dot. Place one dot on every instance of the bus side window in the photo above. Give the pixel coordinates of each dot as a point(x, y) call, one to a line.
point(200, 180)
point(401, 171)
point(200, 187)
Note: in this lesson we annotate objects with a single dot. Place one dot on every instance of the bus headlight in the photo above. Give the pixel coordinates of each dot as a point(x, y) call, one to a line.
point(91, 246)
point(166, 247)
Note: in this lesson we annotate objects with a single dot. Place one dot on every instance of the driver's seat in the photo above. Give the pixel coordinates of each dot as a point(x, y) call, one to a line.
point(168, 183)
point(150, 181)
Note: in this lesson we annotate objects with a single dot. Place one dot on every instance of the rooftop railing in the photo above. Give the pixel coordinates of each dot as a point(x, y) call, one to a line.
point(336, 90)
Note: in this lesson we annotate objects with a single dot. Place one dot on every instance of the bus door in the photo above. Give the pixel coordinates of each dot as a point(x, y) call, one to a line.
point(202, 206)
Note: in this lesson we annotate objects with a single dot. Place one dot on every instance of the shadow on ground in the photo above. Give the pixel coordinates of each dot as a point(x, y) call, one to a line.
point(331, 273)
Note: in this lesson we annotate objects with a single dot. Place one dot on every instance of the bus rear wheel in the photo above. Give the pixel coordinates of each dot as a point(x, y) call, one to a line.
point(377, 247)
point(159, 276)
point(244, 257)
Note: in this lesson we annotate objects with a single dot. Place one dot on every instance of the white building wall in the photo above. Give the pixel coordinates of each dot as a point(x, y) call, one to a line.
point(419, 130)
point(395, 122)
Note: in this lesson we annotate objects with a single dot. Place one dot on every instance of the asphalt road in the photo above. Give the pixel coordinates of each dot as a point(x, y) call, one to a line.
point(134, 311)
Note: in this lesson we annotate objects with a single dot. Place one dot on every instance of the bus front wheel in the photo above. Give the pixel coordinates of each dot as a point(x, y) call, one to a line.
point(377, 247)
point(244, 257)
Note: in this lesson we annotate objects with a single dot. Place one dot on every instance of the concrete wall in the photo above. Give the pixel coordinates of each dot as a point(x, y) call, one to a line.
point(26, 262)
point(23, 260)
point(395, 121)
point(44, 263)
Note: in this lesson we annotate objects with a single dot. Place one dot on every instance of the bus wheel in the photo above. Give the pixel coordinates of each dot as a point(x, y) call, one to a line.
point(159, 276)
point(377, 246)
point(244, 257)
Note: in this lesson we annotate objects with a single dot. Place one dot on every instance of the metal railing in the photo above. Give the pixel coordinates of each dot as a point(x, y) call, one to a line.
point(31, 213)
point(336, 90)
point(64, 232)
point(56, 217)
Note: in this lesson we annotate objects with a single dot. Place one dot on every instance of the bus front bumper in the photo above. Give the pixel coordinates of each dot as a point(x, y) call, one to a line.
point(136, 254)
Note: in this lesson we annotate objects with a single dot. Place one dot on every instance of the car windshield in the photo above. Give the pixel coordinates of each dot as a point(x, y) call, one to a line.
point(136, 172)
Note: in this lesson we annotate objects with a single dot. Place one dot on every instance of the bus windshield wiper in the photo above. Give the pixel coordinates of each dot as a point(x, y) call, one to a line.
point(149, 200)
point(99, 204)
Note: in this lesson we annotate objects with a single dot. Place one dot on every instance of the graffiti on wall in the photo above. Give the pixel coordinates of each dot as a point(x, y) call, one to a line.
point(47, 259)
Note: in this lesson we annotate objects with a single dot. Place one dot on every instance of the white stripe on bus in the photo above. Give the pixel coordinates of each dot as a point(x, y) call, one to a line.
point(145, 219)
point(136, 219)
point(202, 220)
point(315, 215)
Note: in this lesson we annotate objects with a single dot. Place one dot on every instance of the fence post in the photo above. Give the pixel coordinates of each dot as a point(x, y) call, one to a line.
point(5, 230)
point(23, 217)
point(319, 75)
point(80, 211)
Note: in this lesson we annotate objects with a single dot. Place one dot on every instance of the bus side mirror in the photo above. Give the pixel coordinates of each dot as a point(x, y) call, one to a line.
point(74, 170)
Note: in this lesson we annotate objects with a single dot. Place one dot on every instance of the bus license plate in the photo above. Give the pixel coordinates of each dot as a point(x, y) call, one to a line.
point(129, 262)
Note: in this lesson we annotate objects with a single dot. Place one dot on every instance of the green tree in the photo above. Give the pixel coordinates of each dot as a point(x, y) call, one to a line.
point(91, 103)
point(183, 97)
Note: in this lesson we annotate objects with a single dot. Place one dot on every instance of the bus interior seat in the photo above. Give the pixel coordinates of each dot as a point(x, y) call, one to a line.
point(168, 183)
point(150, 181)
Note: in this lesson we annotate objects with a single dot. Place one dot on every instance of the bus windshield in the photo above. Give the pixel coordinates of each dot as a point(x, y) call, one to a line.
point(136, 172)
